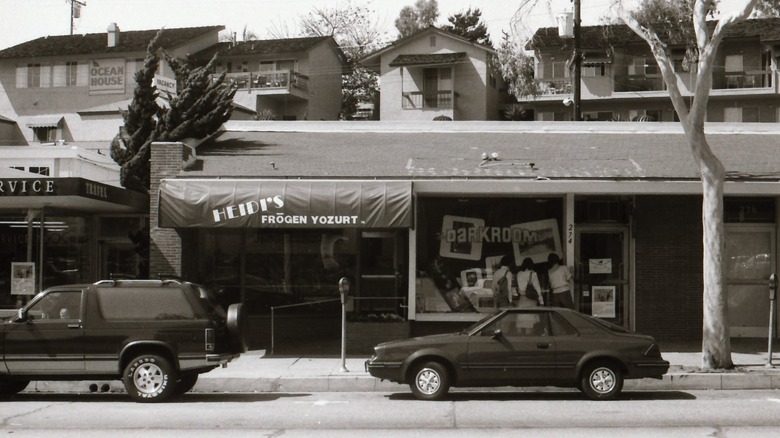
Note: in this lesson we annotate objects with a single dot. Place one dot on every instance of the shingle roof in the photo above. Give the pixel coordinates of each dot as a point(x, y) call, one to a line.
point(96, 43)
point(428, 59)
point(261, 47)
point(765, 29)
point(588, 150)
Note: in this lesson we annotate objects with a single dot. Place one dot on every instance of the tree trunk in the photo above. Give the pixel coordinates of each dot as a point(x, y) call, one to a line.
point(716, 343)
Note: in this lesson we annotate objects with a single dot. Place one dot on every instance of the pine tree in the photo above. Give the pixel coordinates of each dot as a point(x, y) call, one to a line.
point(199, 109)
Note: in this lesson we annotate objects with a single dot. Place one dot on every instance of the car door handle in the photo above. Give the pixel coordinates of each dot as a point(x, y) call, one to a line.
point(543, 345)
point(74, 326)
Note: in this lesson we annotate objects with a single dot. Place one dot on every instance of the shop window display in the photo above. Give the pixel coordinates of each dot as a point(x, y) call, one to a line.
point(460, 242)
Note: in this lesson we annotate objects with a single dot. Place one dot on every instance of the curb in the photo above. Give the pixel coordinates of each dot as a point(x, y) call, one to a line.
point(365, 383)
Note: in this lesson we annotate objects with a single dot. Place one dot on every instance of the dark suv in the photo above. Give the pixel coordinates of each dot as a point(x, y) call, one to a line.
point(157, 336)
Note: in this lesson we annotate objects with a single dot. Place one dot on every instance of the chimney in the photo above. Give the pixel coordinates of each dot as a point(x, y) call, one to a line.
point(113, 35)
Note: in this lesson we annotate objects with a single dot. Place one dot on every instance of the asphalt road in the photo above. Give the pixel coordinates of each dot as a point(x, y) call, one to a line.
point(670, 414)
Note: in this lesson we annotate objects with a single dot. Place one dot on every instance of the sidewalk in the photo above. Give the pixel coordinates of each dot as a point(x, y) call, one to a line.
point(255, 372)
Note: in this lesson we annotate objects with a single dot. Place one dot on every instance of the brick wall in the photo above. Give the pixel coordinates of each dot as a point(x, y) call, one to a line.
point(669, 251)
point(165, 243)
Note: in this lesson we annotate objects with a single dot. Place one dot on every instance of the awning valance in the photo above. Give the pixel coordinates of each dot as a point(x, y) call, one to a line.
point(190, 203)
point(44, 122)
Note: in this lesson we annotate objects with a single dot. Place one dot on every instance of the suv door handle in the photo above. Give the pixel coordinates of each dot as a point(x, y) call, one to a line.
point(74, 326)
point(543, 345)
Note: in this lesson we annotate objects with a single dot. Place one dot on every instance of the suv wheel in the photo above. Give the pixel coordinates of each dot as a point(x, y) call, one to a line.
point(149, 378)
point(11, 387)
point(185, 383)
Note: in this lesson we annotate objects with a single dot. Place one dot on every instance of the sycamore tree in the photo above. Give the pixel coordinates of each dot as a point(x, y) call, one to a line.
point(357, 32)
point(201, 106)
point(700, 27)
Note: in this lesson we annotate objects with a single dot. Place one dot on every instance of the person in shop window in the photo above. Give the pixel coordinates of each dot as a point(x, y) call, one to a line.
point(559, 277)
point(502, 283)
point(528, 288)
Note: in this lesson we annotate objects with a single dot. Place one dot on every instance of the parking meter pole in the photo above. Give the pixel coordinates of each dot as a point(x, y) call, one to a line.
point(343, 291)
point(772, 322)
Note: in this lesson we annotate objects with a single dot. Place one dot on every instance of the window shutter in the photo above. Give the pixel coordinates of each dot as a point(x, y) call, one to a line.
point(60, 76)
point(82, 74)
point(21, 77)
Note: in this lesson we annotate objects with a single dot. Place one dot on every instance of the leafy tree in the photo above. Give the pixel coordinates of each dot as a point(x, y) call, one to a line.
point(655, 21)
point(357, 33)
point(199, 109)
point(517, 68)
point(423, 14)
point(470, 26)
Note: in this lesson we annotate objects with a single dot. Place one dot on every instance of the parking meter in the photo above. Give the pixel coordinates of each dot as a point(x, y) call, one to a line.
point(773, 286)
point(772, 310)
point(344, 289)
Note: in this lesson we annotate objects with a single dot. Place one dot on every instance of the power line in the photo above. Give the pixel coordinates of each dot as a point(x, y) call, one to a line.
point(75, 11)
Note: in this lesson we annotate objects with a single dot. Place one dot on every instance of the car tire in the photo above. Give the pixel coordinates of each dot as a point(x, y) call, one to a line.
point(186, 382)
point(601, 381)
point(11, 387)
point(150, 378)
point(430, 381)
point(237, 327)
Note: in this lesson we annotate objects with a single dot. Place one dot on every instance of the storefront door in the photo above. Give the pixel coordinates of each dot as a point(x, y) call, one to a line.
point(748, 263)
point(379, 285)
point(602, 273)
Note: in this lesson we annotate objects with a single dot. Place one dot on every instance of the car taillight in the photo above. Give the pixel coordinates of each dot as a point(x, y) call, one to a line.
point(210, 339)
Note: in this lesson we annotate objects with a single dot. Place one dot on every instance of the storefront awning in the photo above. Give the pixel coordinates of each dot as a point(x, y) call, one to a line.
point(189, 203)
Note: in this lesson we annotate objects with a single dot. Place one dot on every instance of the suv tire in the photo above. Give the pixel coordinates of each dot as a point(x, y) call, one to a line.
point(186, 382)
point(150, 378)
point(11, 387)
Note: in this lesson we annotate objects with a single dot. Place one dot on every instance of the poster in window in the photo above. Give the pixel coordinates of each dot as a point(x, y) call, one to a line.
point(536, 240)
point(460, 238)
point(603, 304)
point(600, 266)
point(22, 278)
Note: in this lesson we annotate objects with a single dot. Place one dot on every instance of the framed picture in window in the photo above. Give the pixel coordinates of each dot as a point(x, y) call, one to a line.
point(460, 239)
point(536, 240)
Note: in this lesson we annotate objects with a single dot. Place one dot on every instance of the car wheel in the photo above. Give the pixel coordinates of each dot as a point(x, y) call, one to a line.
point(11, 387)
point(150, 378)
point(236, 324)
point(601, 381)
point(185, 383)
point(431, 381)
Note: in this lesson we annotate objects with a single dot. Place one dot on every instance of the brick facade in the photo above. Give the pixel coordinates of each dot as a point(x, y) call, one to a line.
point(669, 252)
point(165, 251)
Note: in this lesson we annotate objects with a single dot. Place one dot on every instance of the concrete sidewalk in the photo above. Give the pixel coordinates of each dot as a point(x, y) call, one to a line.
point(255, 372)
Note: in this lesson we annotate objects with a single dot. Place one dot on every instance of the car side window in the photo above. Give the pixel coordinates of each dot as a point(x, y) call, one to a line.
point(54, 306)
point(167, 303)
point(520, 324)
point(561, 327)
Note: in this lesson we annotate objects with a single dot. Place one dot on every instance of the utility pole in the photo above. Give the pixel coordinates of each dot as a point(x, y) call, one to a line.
point(75, 11)
point(576, 83)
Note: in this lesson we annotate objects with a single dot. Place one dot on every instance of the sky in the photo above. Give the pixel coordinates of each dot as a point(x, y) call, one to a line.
point(25, 20)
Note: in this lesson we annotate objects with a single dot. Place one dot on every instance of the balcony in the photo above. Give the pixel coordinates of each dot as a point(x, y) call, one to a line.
point(443, 99)
point(268, 82)
point(747, 79)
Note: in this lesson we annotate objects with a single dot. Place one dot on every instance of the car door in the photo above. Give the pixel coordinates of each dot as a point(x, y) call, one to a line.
point(50, 340)
point(515, 349)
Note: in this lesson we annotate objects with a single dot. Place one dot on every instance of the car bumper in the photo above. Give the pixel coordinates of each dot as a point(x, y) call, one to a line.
point(654, 369)
point(221, 359)
point(384, 370)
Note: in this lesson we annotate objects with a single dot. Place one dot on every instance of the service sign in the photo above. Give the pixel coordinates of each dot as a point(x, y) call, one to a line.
point(107, 76)
point(165, 86)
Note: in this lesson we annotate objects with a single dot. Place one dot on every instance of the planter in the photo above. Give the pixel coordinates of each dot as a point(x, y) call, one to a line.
point(363, 336)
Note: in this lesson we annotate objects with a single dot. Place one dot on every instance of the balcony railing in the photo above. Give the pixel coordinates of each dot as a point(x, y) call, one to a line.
point(748, 79)
point(443, 99)
point(278, 79)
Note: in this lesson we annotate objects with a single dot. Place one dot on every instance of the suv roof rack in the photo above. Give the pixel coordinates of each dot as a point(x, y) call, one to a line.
point(170, 278)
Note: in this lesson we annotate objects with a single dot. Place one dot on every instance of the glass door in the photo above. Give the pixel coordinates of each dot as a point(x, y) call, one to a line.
point(602, 274)
point(748, 263)
point(379, 288)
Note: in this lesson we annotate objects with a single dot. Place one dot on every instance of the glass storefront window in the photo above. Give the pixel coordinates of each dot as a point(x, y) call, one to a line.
point(272, 268)
point(124, 246)
point(460, 240)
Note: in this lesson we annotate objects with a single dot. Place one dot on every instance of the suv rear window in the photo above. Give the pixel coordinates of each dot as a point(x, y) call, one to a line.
point(144, 303)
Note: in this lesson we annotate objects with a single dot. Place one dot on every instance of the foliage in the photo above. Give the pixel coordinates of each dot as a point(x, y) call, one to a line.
point(412, 19)
point(199, 109)
point(516, 68)
point(357, 34)
point(517, 112)
point(470, 26)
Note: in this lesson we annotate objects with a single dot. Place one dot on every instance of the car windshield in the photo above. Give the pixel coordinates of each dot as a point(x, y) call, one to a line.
point(482, 321)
